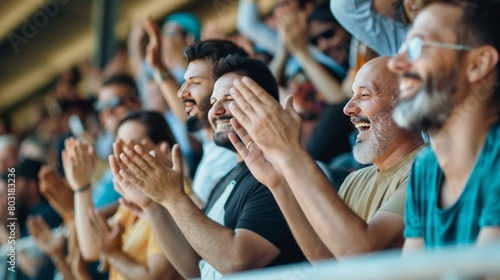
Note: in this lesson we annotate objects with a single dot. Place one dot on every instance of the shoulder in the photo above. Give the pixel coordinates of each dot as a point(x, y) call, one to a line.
point(358, 176)
point(362, 173)
point(425, 157)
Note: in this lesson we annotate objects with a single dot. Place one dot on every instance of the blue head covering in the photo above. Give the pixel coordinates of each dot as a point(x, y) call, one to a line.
point(187, 21)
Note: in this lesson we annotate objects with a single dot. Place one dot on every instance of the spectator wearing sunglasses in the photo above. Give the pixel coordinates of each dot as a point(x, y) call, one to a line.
point(251, 26)
point(323, 81)
point(372, 23)
point(117, 97)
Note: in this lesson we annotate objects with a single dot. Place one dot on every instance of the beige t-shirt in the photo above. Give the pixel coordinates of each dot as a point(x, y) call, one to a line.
point(368, 190)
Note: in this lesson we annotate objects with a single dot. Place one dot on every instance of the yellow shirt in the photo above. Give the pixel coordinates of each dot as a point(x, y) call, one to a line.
point(138, 240)
point(368, 190)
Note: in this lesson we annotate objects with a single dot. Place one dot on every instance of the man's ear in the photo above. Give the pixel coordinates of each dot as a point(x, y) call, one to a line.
point(482, 61)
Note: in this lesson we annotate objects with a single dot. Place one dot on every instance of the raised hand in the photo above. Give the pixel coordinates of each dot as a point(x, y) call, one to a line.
point(108, 237)
point(262, 169)
point(57, 191)
point(153, 50)
point(51, 245)
point(292, 27)
point(172, 49)
point(152, 176)
point(129, 192)
point(79, 162)
point(135, 199)
point(274, 129)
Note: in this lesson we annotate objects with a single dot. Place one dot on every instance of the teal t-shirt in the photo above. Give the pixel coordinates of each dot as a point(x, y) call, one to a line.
point(477, 207)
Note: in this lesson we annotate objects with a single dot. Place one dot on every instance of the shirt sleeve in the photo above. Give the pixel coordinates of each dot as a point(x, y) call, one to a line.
point(413, 223)
point(378, 32)
point(261, 214)
point(250, 25)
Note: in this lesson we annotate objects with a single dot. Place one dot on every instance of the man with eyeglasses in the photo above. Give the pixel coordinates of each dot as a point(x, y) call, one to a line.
point(449, 77)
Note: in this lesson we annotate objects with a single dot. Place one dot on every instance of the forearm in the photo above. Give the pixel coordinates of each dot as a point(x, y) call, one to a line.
point(340, 229)
point(83, 202)
point(323, 81)
point(169, 90)
point(251, 26)
point(278, 63)
point(172, 241)
point(310, 243)
point(135, 55)
point(381, 34)
point(214, 243)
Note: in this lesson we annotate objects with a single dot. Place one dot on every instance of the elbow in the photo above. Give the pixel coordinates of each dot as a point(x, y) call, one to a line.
point(233, 267)
point(190, 274)
point(337, 6)
point(323, 254)
point(357, 250)
point(243, 28)
point(244, 261)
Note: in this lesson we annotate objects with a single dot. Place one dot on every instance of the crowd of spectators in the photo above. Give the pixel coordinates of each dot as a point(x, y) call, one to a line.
point(326, 129)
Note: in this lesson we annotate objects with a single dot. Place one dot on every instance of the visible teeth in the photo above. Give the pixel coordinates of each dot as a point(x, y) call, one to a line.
point(223, 125)
point(406, 85)
point(360, 125)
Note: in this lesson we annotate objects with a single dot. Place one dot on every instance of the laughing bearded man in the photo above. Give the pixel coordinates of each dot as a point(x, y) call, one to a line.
point(367, 214)
point(449, 77)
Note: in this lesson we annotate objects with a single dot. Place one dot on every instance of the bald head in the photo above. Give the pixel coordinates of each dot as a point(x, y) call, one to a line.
point(375, 88)
point(377, 75)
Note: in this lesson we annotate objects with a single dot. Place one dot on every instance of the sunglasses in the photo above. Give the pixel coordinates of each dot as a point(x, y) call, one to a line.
point(413, 47)
point(327, 34)
point(108, 105)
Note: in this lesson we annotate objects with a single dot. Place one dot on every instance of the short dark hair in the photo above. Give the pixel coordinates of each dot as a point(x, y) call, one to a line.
point(322, 14)
point(302, 3)
point(156, 126)
point(122, 79)
point(252, 68)
point(212, 50)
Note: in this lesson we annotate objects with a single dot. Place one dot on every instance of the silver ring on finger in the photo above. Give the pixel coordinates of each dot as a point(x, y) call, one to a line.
point(249, 144)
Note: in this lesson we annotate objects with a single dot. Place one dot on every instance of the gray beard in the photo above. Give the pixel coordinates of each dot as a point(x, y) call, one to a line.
point(431, 106)
point(383, 131)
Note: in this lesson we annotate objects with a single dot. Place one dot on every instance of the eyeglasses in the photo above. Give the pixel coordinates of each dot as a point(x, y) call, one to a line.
point(325, 34)
point(110, 104)
point(414, 47)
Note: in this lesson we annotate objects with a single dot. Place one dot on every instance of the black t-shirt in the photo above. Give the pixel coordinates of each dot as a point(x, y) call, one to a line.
point(251, 206)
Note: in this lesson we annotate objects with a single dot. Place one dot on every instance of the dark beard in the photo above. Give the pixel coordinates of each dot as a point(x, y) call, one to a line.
point(431, 107)
point(194, 123)
point(223, 141)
